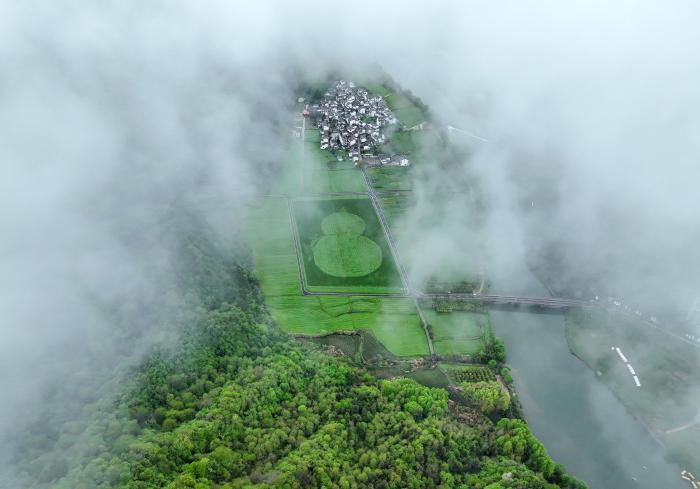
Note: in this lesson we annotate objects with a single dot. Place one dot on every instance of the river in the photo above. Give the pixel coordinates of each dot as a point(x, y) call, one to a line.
point(580, 422)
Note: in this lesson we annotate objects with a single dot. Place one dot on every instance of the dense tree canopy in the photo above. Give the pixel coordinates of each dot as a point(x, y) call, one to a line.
point(237, 404)
point(488, 395)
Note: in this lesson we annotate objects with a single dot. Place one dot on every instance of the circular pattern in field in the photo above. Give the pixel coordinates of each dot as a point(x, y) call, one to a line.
point(347, 255)
point(343, 223)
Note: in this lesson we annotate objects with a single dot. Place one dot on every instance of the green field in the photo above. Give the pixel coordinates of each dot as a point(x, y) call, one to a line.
point(391, 178)
point(376, 89)
point(405, 110)
point(354, 259)
point(428, 143)
point(395, 207)
point(334, 181)
point(270, 235)
point(422, 145)
point(458, 333)
point(394, 321)
point(308, 169)
point(305, 170)
point(315, 158)
point(410, 116)
point(468, 373)
point(408, 224)
point(401, 142)
point(398, 101)
point(312, 135)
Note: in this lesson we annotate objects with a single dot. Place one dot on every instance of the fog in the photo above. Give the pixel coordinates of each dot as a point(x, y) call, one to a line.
point(114, 113)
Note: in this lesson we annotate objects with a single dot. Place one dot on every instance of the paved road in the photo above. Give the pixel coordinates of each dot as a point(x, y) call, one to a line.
point(397, 259)
point(549, 302)
point(452, 128)
point(553, 302)
point(302, 168)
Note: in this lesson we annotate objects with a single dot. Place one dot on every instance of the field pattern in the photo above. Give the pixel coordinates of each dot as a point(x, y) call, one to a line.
point(469, 373)
point(343, 247)
point(393, 321)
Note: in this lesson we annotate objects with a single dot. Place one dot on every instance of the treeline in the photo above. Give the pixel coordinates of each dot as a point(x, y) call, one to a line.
point(237, 404)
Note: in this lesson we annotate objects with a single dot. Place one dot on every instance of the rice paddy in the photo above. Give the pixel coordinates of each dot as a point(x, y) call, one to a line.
point(343, 247)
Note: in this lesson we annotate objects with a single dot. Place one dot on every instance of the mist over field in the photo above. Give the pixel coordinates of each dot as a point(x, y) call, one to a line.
point(593, 138)
point(114, 115)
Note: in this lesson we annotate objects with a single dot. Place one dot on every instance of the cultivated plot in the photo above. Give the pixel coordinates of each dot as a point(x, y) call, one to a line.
point(335, 181)
point(391, 178)
point(343, 247)
point(270, 234)
point(458, 333)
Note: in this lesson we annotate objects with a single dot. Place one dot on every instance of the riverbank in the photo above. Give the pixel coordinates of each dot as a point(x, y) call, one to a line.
point(576, 417)
point(665, 401)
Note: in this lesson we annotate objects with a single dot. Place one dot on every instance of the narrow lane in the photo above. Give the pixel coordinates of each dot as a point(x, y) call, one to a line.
point(395, 252)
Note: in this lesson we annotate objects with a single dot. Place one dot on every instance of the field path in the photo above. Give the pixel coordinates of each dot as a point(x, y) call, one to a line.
point(394, 251)
point(302, 167)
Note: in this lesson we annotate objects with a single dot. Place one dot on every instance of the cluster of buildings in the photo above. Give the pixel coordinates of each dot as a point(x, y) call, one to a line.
point(688, 476)
point(351, 119)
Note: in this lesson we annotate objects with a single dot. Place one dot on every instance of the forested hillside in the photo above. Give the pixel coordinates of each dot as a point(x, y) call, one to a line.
point(238, 404)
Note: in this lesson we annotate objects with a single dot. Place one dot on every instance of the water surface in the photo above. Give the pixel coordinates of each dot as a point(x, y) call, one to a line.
point(580, 422)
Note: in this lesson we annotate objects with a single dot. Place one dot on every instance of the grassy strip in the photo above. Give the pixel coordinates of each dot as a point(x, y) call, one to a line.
point(391, 178)
point(325, 181)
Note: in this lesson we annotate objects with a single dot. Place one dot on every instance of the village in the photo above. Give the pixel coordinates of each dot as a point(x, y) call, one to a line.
point(352, 122)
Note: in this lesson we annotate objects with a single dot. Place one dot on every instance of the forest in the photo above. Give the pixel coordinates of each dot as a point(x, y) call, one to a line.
point(235, 403)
